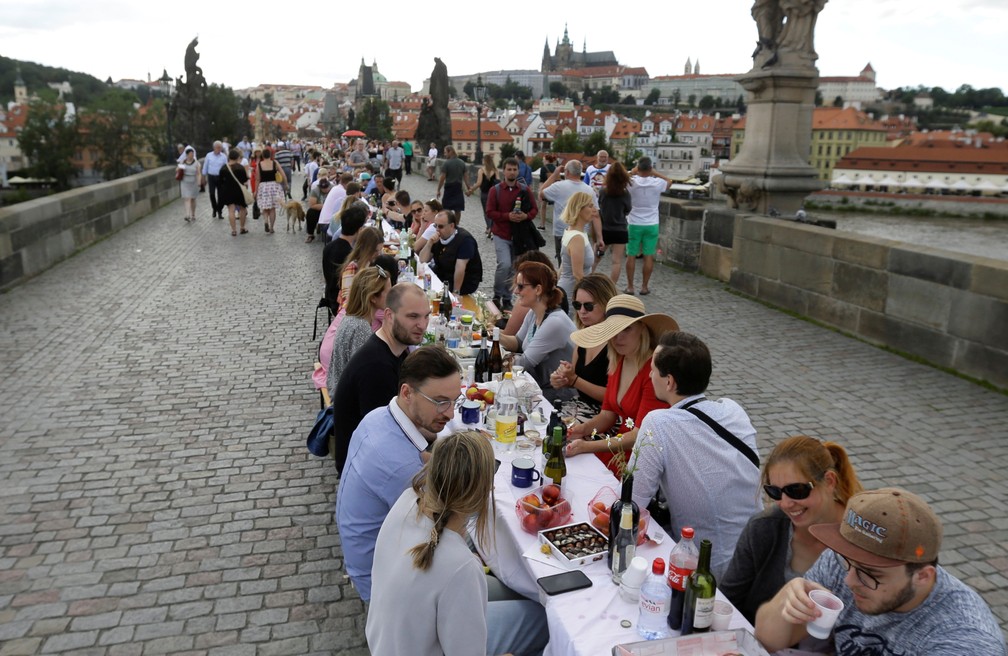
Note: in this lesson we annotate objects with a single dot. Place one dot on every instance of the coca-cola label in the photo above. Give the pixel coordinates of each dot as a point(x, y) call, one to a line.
point(677, 577)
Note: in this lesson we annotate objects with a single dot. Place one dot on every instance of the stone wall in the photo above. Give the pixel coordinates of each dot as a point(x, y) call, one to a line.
point(947, 308)
point(853, 201)
point(37, 234)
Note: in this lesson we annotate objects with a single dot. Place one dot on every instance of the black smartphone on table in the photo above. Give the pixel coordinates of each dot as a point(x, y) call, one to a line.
point(566, 582)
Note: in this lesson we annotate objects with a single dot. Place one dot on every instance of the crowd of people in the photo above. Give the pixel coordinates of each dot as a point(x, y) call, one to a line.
point(410, 502)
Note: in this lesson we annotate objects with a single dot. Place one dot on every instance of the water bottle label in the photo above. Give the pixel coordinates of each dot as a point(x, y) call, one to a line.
point(652, 606)
point(677, 577)
point(703, 616)
point(453, 342)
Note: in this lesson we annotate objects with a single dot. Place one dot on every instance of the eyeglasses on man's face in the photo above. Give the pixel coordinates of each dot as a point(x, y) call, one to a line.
point(441, 406)
point(863, 577)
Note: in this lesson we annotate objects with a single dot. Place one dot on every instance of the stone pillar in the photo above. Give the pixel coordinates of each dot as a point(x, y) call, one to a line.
point(772, 171)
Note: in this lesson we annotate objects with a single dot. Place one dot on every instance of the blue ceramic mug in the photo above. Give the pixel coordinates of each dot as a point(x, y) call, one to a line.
point(523, 472)
point(470, 412)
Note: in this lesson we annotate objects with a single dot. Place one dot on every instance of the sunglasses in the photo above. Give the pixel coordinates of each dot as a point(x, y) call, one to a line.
point(589, 306)
point(522, 285)
point(796, 491)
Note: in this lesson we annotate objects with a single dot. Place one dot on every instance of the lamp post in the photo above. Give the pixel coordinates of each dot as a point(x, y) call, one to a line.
point(166, 90)
point(480, 92)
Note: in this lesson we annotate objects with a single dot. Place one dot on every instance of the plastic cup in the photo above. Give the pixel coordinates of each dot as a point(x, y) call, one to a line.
point(829, 606)
point(722, 616)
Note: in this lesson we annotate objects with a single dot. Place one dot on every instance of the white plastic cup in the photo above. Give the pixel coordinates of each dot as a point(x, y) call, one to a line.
point(632, 579)
point(829, 606)
point(722, 616)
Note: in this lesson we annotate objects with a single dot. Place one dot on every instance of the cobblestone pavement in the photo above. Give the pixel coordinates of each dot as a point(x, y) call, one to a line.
point(155, 492)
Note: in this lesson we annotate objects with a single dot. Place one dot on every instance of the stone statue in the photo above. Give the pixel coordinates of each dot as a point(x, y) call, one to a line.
point(785, 29)
point(194, 74)
point(434, 123)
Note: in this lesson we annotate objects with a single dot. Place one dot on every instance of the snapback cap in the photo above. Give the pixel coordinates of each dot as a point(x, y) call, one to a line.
point(884, 528)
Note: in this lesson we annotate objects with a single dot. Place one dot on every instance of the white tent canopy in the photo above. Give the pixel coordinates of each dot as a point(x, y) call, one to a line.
point(961, 185)
point(936, 184)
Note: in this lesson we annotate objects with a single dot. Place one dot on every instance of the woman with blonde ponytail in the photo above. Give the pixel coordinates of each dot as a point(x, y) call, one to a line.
point(428, 590)
point(809, 482)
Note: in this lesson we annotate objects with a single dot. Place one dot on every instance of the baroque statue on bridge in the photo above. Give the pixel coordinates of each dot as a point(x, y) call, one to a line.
point(785, 29)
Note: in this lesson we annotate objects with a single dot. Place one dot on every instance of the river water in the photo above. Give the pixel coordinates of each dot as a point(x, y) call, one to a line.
point(986, 238)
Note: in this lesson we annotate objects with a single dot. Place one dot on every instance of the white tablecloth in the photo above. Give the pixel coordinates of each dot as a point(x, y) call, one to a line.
point(585, 621)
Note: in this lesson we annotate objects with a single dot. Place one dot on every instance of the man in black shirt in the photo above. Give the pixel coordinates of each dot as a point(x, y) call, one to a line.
point(336, 251)
point(455, 254)
point(371, 377)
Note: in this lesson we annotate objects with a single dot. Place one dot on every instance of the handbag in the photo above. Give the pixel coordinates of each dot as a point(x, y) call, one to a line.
point(246, 194)
point(179, 173)
point(318, 437)
point(279, 177)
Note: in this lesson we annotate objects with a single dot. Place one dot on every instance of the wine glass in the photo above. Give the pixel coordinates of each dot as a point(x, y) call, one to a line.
point(568, 413)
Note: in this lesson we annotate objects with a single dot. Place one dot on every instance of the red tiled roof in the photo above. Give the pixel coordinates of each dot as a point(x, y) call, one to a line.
point(928, 159)
point(848, 118)
point(465, 130)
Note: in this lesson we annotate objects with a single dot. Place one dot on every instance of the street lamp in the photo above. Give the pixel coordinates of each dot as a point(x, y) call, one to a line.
point(166, 90)
point(480, 92)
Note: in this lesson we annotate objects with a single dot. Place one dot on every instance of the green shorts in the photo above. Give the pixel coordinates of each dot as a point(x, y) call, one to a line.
point(642, 240)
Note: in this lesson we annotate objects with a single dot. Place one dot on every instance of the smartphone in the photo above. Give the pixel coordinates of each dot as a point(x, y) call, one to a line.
point(566, 582)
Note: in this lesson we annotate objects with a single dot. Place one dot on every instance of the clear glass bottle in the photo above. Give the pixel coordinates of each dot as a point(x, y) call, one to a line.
point(506, 404)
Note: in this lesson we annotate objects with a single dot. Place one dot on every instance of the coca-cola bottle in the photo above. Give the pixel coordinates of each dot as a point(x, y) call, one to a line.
point(682, 562)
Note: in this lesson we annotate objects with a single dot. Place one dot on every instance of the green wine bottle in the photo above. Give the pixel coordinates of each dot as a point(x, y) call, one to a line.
point(556, 465)
point(698, 607)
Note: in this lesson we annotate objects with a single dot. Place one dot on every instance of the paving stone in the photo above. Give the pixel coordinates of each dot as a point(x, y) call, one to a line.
point(164, 481)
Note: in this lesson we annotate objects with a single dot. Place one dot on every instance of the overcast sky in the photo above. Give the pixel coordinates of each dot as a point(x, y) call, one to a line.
point(909, 42)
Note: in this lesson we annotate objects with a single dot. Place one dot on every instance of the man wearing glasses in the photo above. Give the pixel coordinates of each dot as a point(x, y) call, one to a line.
point(455, 254)
point(371, 377)
point(388, 448)
point(882, 562)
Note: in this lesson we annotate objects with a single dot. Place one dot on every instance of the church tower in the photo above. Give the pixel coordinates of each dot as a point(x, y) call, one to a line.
point(689, 67)
point(696, 67)
point(546, 67)
point(20, 89)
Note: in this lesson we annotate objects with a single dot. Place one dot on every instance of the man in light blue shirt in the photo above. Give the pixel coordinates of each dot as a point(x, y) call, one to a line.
point(387, 449)
point(212, 165)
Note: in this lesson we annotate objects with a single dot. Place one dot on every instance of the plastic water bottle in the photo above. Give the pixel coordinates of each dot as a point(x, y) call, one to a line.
point(454, 332)
point(506, 404)
point(652, 624)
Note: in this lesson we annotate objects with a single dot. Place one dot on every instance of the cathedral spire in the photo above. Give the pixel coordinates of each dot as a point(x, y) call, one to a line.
point(566, 39)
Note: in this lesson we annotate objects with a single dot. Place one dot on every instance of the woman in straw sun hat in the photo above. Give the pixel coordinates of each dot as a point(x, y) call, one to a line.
point(630, 335)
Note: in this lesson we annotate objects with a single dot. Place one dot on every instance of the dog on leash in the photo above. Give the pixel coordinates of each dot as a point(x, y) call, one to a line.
point(295, 214)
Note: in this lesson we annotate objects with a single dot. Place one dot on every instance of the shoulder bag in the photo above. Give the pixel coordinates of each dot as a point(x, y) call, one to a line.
point(246, 194)
point(722, 432)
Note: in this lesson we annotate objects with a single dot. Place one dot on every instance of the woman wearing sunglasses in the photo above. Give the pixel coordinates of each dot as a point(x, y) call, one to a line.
point(588, 369)
point(810, 482)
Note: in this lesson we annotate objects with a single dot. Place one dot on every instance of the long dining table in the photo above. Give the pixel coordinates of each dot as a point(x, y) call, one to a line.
point(583, 622)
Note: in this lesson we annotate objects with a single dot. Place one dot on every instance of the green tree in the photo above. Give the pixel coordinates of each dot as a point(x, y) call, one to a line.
point(606, 96)
point(224, 115)
point(676, 98)
point(595, 142)
point(691, 101)
point(111, 131)
point(567, 142)
point(653, 96)
point(838, 101)
point(49, 139)
point(629, 100)
point(375, 119)
point(507, 150)
point(707, 102)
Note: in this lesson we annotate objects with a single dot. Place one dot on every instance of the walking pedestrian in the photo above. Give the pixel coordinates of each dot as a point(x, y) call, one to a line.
point(269, 184)
point(191, 182)
point(212, 164)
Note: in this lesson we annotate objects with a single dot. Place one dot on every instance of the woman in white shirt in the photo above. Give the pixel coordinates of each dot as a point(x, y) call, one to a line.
point(428, 591)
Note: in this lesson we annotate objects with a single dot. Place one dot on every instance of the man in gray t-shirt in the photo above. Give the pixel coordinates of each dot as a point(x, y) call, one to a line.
point(882, 562)
point(558, 189)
